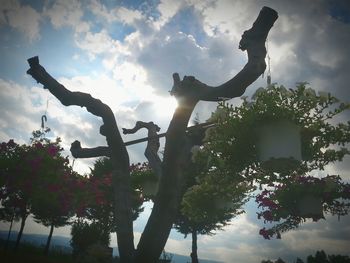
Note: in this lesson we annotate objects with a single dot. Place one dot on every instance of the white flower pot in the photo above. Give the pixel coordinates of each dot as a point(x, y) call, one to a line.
point(150, 188)
point(225, 204)
point(279, 140)
point(310, 207)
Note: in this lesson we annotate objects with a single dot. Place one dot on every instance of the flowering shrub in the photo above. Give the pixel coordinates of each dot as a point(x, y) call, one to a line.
point(232, 143)
point(282, 202)
point(231, 149)
point(36, 179)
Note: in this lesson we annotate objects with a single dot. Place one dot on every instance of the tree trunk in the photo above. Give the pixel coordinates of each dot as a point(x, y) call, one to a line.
point(19, 236)
point(9, 233)
point(123, 215)
point(47, 247)
point(194, 255)
point(168, 198)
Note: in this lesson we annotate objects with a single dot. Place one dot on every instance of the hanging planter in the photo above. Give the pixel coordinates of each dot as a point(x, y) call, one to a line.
point(303, 197)
point(279, 145)
point(144, 179)
point(149, 188)
point(310, 206)
point(224, 204)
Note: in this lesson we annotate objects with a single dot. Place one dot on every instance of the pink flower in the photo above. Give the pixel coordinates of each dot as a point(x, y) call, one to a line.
point(39, 145)
point(267, 216)
point(35, 163)
point(268, 203)
point(265, 233)
point(52, 150)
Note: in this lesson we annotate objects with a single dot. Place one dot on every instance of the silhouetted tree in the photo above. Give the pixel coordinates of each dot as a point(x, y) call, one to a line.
point(188, 93)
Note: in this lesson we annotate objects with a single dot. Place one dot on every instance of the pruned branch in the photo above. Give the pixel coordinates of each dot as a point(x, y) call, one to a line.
point(153, 144)
point(78, 152)
point(94, 106)
point(253, 40)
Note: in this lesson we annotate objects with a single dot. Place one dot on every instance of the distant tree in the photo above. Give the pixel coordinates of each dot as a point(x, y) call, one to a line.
point(320, 257)
point(10, 155)
point(207, 206)
point(338, 259)
point(52, 198)
point(17, 182)
point(87, 236)
point(33, 181)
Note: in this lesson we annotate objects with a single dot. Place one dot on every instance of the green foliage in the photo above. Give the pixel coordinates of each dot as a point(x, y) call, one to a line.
point(233, 142)
point(212, 195)
point(36, 179)
point(84, 235)
point(230, 151)
point(319, 257)
point(33, 254)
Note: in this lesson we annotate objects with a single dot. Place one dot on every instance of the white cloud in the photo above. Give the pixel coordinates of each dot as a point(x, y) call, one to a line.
point(128, 16)
point(67, 13)
point(23, 18)
point(229, 17)
point(99, 43)
point(19, 115)
point(121, 14)
point(167, 9)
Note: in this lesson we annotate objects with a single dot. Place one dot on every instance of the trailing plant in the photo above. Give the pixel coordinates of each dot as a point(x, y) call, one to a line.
point(230, 149)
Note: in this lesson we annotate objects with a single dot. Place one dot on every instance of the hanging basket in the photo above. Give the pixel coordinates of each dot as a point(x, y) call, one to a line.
point(310, 206)
point(223, 204)
point(279, 146)
point(150, 188)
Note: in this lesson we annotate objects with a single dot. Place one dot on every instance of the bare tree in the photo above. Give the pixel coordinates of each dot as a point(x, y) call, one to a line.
point(188, 92)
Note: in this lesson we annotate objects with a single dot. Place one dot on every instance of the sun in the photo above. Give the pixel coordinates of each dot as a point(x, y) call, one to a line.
point(164, 107)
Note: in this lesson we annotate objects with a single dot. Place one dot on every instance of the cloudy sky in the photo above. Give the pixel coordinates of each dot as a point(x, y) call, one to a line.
point(124, 53)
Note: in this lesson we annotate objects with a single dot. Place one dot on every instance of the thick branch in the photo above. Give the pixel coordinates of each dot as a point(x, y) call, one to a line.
point(78, 152)
point(117, 152)
point(253, 41)
point(153, 144)
point(66, 97)
point(95, 106)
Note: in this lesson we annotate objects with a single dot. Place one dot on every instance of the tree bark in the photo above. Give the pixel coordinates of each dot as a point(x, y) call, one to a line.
point(194, 255)
point(168, 198)
point(48, 242)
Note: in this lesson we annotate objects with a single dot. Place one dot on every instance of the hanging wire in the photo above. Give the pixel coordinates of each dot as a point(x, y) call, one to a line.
point(73, 163)
point(268, 77)
point(44, 119)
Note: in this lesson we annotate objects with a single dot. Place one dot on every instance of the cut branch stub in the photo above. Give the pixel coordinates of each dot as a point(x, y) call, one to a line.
point(253, 40)
point(78, 152)
point(153, 144)
point(188, 88)
point(260, 28)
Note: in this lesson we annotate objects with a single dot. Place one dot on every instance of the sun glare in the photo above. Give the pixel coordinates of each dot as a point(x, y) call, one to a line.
point(164, 107)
